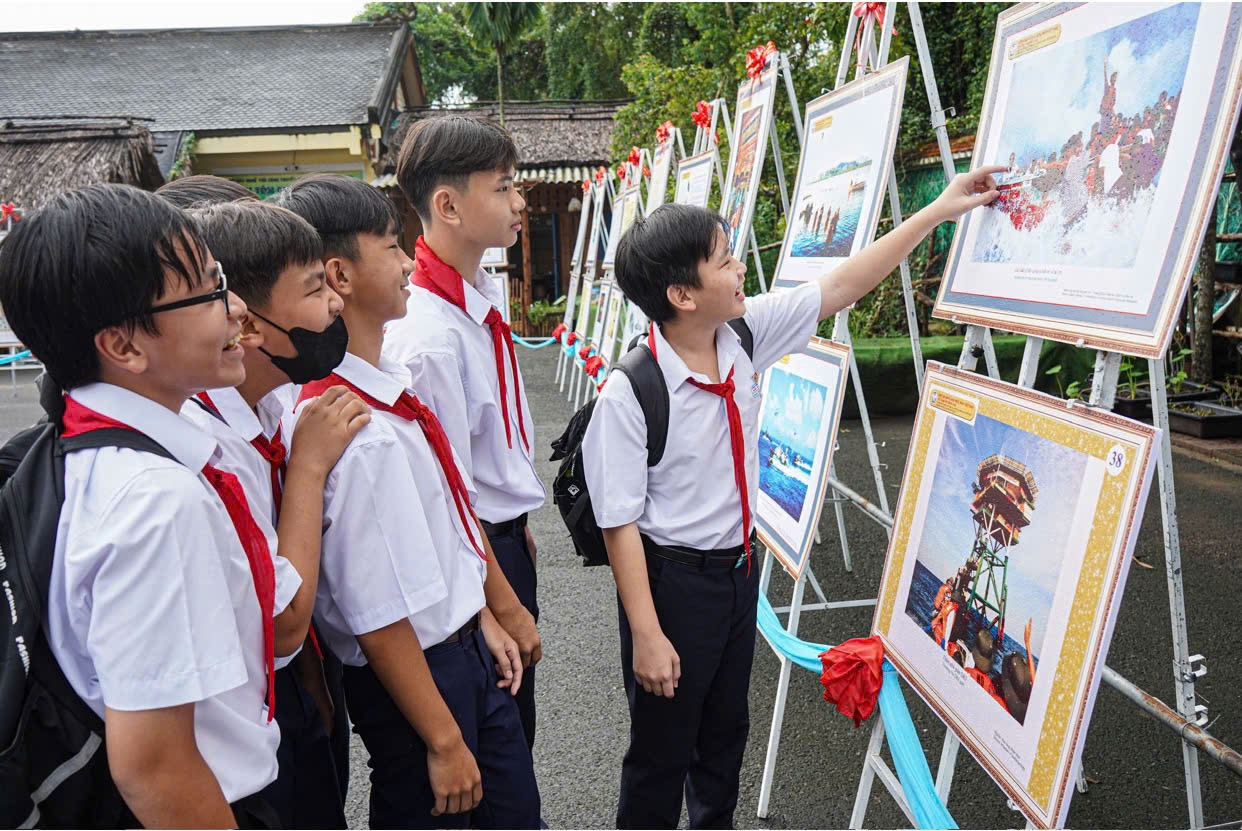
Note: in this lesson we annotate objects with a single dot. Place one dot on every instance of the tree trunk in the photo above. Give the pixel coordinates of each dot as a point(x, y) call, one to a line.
point(1204, 297)
point(500, 82)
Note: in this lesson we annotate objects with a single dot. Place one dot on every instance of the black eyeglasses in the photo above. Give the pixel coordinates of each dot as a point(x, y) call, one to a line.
point(221, 293)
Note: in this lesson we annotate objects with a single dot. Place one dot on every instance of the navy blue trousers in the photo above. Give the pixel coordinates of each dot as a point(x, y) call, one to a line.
point(401, 795)
point(332, 669)
point(306, 793)
point(513, 556)
point(694, 741)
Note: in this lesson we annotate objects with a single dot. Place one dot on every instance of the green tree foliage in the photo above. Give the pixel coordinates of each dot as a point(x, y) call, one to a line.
point(587, 45)
point(501, 25)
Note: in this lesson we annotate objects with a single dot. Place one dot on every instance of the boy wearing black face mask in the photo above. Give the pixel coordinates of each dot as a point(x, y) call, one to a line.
point(293, 332)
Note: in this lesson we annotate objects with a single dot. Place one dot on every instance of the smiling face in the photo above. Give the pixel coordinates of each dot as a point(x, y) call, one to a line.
point(379, 278)
point(198, 346)
point(720, 296)
point(301, 298)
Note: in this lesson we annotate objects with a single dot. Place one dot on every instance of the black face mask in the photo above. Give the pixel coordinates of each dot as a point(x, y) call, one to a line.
point(318, 352)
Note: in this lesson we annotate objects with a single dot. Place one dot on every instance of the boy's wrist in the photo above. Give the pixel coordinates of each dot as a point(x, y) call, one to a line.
point(443, 740)
point(305, 465)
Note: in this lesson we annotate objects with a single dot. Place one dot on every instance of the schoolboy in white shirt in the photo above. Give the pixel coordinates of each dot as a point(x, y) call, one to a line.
point(679, 533)
point(406, 578)
point(292, 332)
point(458, 174)
point(156, 609)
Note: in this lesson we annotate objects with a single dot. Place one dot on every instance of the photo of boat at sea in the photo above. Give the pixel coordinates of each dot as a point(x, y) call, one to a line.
point(828, 214)
point(787, 439)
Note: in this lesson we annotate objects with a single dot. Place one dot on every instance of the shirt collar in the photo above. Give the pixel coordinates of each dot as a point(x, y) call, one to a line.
point(478, 299)
point(676, 373)
point(384, 383)
point(449, 285)
point(235, 412)
point(189, 445)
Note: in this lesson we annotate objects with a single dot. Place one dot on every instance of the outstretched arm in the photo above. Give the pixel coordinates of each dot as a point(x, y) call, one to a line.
point(864, 271)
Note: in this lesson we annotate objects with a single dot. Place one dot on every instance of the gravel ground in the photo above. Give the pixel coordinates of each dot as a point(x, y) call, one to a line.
point(1133, 762)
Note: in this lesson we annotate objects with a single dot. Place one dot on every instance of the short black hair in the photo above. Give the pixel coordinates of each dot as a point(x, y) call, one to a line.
point(255, 242)
point(446, 150)
point(340, 208)
point(665, 250)
point(202, 190)
point(90, 259)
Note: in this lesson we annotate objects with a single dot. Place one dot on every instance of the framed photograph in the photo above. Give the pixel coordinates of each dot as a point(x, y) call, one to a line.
point(635, 324)
point(599, 196)
point(1115, 121)
point(798, 418)
point(612, 323)
point(495, 258)
point(596, 336)
point(583, 312)
point(584, 223)
point(847, 156)
point(1014, 530)
point(571, 296)
point(694, 179)
point(752, 120)
point(661, 166)
point(629, 203)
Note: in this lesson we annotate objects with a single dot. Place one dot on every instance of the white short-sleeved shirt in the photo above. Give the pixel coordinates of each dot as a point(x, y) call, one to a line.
point(151, 603)
point(239, 457)
point(393, 545)
point(452, 365)
point(689, 498)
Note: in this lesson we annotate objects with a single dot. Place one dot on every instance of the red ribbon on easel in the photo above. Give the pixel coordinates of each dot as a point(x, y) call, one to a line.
point(702, 116)
point(852, 676)
point(586, 186)
point(621, 172)
point(8, 212)
point(600, 174)
point(585, 352)
point(664, 131)
point(757, 58)
point(593, 365)
point(872, 11)
point(635, 156)
point(558, 331)
point(571, 338)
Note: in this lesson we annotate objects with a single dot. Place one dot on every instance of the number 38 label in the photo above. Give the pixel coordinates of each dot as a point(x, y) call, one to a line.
point(1115, 461)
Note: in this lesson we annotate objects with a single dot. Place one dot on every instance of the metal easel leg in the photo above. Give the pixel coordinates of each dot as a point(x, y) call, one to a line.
point(948, 761)
point(754, 252)
point(778, 712)
point(1029, 371)
point(838, 510)
point(907, 287)
point(1184, 673)
point(867, 780)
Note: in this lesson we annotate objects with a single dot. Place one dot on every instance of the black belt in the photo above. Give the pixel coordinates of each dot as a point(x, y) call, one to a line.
point(710, 558)
point(468, 628)
point(509, 527)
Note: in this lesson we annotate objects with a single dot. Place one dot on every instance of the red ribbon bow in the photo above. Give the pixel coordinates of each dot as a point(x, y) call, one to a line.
point(586, 186)
point(600, 174)
point(593, 365)
point(585, 352)
point(571, 338)
point(702, 116)
point(635, 156)
point(664, 131)
point(757, 58)
point(558, 331)
point(852, 677)
point(870, 11)
point(621, 172)
point(8, 211)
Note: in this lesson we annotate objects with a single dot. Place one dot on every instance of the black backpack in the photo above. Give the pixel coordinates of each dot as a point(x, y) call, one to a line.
point(53, 765)
point(569, 488)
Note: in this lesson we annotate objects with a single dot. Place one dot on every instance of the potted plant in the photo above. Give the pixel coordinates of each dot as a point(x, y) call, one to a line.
point(1133, 398)
point(1210, 419)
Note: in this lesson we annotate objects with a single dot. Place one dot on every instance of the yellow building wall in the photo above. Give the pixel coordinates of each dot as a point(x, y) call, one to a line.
point(266, 163)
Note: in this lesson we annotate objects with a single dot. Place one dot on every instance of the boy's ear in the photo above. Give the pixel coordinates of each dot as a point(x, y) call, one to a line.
point(337, 275)
point(681, 298)
point(251, 337)
point(444, 206)
point(117, 349)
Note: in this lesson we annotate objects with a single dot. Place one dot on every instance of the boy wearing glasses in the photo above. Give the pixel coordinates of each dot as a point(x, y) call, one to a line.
point(158, 611)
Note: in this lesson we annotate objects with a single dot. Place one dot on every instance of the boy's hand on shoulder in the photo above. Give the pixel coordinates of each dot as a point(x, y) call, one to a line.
point(967, 190)
point(519, 623)
point(325, 428)
point(455, 778)
point(505, 652)
point(657, 667)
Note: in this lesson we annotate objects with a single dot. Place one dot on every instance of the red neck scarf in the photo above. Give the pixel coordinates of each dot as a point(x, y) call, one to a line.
point(441, 279)
point(79, 419)
point(410, 408)
point(272, 450)
point(737, 439)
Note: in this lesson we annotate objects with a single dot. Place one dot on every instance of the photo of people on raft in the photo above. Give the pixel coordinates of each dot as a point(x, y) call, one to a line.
point(996, 536)
point(1086, 133)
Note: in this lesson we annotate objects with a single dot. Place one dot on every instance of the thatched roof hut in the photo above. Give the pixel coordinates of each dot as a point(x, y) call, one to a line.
point(40, 158)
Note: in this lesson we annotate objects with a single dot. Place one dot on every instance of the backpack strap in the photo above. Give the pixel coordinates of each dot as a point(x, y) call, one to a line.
point(739, 325)
point(114, 437)
point(640, 366)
